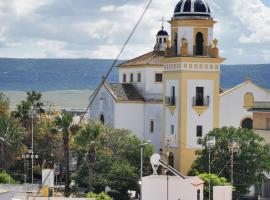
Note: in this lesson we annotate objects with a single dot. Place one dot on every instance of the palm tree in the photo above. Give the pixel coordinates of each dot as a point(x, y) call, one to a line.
point(88, 140)
point(65, 127)
point(11, 141)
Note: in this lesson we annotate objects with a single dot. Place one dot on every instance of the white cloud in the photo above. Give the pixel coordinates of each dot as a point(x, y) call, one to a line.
point(254, 16)
point(25, 7)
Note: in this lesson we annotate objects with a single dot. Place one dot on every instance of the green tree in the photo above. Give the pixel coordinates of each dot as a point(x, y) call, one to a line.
point(64, 125)
point(11, 141)
point(117, 160)
point(250, 162)
point(101, 196)
point(4, 105)
point(32, 102)
point(214, 180)
point(87, 140)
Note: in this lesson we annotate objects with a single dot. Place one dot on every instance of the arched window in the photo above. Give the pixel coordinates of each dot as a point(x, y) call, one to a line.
point(247, 123)
point(102, 119)
point(248, 100)
point(171, 159)
point(175, 44)
point(199, 44)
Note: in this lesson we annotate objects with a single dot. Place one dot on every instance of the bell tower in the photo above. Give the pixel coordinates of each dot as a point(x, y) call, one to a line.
point(191, 82)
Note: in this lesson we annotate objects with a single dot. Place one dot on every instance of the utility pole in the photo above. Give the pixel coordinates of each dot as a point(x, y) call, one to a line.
point(141, 171)
point(211, 142)
point(234, 148)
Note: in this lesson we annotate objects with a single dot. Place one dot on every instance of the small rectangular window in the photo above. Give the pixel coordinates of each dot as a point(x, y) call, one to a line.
point(172, 129)
point(131, 78)
point(158, 77)
point(152, 126)
point(160, 40)
point(199, 96)
point(139, 78)
point(268, 124)
point(124, 78)
point(165, 40)
point(199, 131)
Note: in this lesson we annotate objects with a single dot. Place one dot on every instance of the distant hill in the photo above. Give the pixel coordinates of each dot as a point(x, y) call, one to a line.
point(81, 74)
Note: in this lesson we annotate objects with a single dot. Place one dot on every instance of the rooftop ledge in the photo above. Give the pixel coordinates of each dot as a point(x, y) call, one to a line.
point(199, 59)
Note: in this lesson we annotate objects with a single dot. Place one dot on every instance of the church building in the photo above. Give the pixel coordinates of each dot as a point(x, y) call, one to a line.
point(172, 94)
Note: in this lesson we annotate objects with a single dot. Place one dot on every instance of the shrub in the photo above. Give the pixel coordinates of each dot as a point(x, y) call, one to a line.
point(6, 178)
point(101, 196)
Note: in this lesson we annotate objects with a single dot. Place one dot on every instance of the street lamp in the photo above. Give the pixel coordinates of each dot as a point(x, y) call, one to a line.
point(210, 143)
point(234, 147)
point(141, 172)
point(31, 156)
point(32, 112)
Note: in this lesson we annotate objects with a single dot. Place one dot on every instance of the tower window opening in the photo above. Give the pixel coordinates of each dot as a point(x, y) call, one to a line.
point(152, 128)
point(175, 45)
point(199, 101)
point(165, 40)
point(124, 78)
point(158, 77)
point(131, 78)
point(199, 44)
point(172, 129)
point(160, 40)
point(199, 131)
point(139, 77)
point(247, 123)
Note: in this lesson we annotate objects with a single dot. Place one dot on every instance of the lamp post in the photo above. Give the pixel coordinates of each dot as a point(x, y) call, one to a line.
point(141, 171)
point(234, 148)
point(30, 155)
point(210, 143)
point(32, 113)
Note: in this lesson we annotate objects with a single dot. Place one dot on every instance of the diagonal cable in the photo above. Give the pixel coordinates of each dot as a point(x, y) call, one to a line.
point(105, 77)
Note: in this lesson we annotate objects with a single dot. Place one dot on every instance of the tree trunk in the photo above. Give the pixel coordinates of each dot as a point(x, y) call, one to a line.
point(66, 158)
point(91, 160)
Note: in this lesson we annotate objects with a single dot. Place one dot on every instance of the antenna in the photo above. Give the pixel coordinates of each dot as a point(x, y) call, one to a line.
point(162, 20)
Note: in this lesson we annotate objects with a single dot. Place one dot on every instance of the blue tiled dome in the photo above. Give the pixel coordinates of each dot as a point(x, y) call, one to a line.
point(192, 8)
point(162, 33)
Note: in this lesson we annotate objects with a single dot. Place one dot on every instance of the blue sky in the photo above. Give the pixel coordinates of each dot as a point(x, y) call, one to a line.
point(98, 28)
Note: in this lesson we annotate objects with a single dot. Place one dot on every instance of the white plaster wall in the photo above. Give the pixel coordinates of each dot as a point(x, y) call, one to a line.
point(155, 188)
point(130, 116)
point(153, 90)
point(172, 118)
point(232, 110)
point(139, 85)
point(153, 112)
point(193, 119)
point(103, 104)
point(186, 32)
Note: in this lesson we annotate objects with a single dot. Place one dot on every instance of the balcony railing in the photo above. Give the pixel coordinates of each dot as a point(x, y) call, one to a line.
point(201, 101)
point(172, 52)
point(170, 101)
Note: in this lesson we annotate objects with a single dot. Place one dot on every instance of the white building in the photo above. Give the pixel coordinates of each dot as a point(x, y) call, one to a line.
point(172, 95)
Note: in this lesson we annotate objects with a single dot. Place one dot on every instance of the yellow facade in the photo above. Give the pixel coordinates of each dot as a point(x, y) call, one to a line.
point(184, 156)
point(192, 68)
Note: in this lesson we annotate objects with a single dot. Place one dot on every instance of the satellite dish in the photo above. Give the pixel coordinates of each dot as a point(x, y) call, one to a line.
point(155, 159)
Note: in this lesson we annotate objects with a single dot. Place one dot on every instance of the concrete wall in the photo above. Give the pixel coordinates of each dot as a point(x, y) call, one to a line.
point(222, 193)
point(159, 188)
point(232, 110)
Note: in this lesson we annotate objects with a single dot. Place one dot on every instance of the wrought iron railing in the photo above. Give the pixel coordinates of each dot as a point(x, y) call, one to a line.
point(200, 101)
point(170, 100)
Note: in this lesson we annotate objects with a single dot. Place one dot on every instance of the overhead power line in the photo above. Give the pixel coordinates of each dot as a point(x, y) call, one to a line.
point(105, 77)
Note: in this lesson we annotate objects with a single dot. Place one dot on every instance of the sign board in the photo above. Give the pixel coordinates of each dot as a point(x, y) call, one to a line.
point(48, 177)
